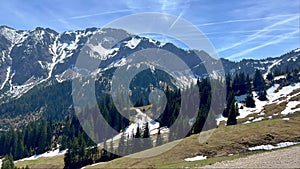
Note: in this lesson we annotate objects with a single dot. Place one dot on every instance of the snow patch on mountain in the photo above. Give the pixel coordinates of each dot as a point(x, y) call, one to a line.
point(279, 77)
point(133, 43)
point(297, 50)
point(61, 51)
point(140, 120)
point(273, 98)
point(294, 58)
point(245, 111)
point(284, 92)
point(291, 107)
point(12, 35)
point(275, 62)
point(7, 77)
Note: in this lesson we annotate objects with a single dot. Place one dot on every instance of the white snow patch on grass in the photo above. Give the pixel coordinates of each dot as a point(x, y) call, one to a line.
point(259, 106)
point(48, 154)
point(271, 147)
point(197, 158)
point(247, 122)
point(220, 118)
point(289, 107)
point(286, 118)
point(258, 119)
point(273, 98)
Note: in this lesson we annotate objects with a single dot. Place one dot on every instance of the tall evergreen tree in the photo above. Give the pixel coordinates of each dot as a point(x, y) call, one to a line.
point(232, 114)
point(258, 81)
point(8, 162)
point(230, 99)
point(270, 76)
point(138, 144)
point(262, 95)
point(147, 142)
point(250, 101)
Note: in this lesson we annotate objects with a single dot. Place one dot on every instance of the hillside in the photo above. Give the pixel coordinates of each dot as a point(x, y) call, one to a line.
point(93, 96)
point(271, 123)
point(260, 133)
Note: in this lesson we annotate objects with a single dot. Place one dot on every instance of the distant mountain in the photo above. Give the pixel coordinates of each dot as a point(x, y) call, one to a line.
point(35, 62)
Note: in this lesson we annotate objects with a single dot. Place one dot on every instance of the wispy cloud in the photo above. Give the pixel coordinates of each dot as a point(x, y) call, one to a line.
point(280, 39)
point(247, 20)
point(102, 13)
point(251, 31)
point(258, 34)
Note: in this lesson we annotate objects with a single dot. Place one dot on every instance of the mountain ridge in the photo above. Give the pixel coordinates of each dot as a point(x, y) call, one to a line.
point(42, 57)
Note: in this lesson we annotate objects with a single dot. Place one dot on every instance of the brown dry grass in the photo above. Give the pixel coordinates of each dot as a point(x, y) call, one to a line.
point(223, 141)
point(51, 163)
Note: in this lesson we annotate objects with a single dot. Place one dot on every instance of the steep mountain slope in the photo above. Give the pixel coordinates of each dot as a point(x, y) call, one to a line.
point(28, 56)
point(35, 65)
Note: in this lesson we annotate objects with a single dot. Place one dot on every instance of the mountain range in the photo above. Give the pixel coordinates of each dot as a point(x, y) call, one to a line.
point(37, 61)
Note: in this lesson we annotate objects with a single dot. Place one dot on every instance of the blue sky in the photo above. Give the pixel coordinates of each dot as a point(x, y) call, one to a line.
point(237, 28)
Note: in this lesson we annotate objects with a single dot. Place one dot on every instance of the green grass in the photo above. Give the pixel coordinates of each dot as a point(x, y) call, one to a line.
point(213, 160)
point(223, 141)
point(53, 163)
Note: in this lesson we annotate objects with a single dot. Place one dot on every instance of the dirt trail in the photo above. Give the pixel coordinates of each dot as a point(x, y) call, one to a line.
point(285, 158)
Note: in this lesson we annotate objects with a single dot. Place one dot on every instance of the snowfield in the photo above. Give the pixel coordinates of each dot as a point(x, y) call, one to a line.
point(273, 98)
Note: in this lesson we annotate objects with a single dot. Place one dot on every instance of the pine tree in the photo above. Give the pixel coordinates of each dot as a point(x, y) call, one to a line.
point(42, 141)
point(8, 162)
point(147, 142)
point(138, 144)
point(258, 81)
point(270, 76)
point(129, 145)
point(230, 99)
point(250, 101)
point(262, 95)
point(232, 114)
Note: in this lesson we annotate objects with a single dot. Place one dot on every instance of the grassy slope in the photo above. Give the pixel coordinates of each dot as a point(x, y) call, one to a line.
point(53, 162)
point(224, 140)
